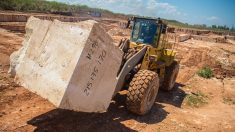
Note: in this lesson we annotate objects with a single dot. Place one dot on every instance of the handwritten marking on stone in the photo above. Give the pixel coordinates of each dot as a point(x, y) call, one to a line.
point(94, 72)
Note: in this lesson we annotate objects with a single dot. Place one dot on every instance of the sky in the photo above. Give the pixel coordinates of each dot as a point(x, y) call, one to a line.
point(210, 12)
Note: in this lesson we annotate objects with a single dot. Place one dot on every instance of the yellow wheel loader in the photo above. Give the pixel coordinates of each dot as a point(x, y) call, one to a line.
point(148, 64)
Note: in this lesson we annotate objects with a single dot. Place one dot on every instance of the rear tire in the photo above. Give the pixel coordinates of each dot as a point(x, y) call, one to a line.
point(171, 74)
point(142, 92)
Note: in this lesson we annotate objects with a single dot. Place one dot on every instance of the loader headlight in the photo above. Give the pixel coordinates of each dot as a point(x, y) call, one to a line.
point(152, 58)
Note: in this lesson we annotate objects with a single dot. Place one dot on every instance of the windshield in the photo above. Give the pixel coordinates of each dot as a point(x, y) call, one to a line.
point(144, 31)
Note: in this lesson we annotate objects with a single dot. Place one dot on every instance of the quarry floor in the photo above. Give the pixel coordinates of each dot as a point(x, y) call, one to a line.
point(21, 110)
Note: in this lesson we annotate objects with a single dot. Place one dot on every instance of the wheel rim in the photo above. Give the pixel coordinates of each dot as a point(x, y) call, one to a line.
point(151, 95)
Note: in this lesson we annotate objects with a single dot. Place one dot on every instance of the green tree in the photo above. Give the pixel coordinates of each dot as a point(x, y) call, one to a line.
point(214, 26)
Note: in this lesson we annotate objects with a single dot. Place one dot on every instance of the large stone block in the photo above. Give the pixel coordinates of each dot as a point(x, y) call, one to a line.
point(183, 37)
point(73, 65)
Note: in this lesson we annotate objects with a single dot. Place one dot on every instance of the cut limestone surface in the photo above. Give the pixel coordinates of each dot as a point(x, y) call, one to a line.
point(73, 65)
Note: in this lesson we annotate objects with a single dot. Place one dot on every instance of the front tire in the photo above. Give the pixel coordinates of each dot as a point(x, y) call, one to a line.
point(142, 92)
point(171, 74)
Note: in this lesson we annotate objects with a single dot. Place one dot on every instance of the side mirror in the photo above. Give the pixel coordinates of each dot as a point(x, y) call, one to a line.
point(128, 24)
point(164, 28)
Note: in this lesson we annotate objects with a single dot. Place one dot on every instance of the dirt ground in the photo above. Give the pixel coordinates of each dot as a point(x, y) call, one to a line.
point(21, 110)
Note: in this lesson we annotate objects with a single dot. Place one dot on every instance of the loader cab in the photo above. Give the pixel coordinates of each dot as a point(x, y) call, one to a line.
point(147, 31)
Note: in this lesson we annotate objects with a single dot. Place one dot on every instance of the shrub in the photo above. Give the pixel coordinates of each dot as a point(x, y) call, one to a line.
point(44, 6)
point(205, 72)
point(229, 100)
point(196, 99)
point(38, 5)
